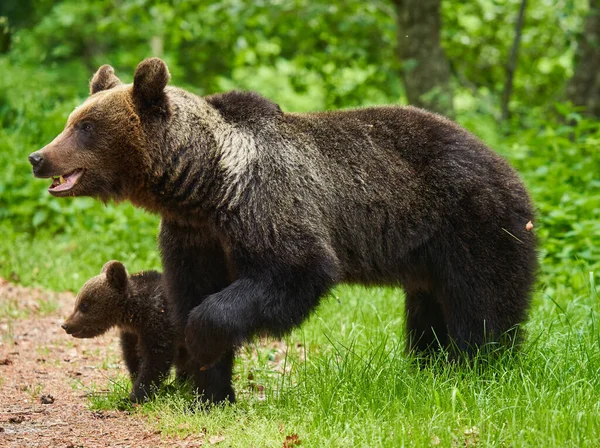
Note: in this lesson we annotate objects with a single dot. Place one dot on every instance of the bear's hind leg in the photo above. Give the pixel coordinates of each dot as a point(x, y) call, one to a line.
point(477, 324)
point(425, 324)
point(486, 291)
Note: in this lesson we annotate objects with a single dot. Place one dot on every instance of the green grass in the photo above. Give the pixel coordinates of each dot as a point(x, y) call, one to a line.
point(11, 309)
point(355, 386)
point(47, 306)
point(343, 379)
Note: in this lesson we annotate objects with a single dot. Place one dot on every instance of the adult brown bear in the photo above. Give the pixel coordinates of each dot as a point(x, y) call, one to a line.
point(264, 211)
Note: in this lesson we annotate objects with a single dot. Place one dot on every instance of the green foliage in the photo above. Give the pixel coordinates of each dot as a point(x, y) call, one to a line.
point(211, 45)
point(478, 35)
point(561, 162)
point(343, 54)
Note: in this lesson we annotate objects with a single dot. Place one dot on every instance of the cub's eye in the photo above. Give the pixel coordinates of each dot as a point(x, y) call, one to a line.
point(87, 127)
point(83, 307)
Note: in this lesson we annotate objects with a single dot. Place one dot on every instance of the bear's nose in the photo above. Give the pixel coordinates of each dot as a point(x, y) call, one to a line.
point(35, 159)
point(65, 327)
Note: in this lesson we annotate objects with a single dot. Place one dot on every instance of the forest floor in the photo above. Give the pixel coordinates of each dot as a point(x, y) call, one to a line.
point(46, 377)
point(342, 379)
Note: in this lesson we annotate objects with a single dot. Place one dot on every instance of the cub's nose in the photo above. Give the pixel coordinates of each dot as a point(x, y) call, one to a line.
point(35, 159)
point(65, 327)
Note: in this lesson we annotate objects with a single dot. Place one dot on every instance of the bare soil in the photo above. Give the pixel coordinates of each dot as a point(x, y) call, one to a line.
point(46, 376)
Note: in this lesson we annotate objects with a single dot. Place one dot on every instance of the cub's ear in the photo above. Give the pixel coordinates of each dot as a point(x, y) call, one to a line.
point(104, 79)
point(116, 274)
point(149, 82)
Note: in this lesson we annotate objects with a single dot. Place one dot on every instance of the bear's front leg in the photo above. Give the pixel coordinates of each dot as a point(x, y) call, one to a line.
point(195, 267)
point(272, 300)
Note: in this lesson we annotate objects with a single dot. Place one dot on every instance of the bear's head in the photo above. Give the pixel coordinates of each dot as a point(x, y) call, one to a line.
point(99, 305)
point(102, 150)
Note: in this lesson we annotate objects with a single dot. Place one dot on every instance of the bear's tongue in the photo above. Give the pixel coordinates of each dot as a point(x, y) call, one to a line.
point(66, 182)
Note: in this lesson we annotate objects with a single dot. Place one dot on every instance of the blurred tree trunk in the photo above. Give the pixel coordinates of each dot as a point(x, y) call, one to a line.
point(157, 44)
point(584, 87)
point(425, 69)
point(5, 36)
point(511, 65)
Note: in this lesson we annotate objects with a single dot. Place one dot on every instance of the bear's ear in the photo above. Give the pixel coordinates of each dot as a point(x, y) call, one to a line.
point(104, 79)
point(149, 82)
point(116, 274)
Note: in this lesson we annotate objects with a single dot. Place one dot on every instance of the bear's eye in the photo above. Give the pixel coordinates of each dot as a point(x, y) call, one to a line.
point(83, 307)
point(87, 126)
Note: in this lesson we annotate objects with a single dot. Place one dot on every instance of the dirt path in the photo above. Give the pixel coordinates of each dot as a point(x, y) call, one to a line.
point(45, 376)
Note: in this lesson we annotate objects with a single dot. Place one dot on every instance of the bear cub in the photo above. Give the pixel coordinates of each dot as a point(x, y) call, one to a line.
point(135, 304)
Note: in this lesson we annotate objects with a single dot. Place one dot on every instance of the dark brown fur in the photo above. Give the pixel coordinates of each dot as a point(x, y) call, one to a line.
point(137, 306)
point(264, 211)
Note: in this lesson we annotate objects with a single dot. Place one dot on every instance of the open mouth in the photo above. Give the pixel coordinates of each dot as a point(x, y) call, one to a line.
point(66, 182)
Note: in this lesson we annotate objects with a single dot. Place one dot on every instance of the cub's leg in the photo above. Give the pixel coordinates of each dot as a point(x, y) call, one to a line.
point(180, 362)
point(129, 347)
point(156, 359)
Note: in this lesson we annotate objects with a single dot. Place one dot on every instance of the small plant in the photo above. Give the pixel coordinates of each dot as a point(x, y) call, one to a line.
point(115, 396)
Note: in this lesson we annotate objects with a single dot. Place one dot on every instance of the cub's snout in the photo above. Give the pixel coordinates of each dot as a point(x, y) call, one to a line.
point(71, 328)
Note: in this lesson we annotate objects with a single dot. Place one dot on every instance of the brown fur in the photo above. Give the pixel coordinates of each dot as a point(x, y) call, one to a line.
point(104, 79)
point(136, 305)
point(264, 211)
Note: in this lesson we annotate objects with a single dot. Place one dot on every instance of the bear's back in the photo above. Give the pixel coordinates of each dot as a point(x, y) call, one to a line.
point(147, 304)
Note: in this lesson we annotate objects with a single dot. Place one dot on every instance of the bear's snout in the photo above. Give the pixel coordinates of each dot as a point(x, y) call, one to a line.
point(36, 161)
point(66, 327)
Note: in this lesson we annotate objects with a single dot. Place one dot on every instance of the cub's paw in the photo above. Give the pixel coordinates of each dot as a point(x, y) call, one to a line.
point(139, 394)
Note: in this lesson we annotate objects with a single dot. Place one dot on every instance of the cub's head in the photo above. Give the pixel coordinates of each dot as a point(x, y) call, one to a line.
point(102, 150)
point(99, 304)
